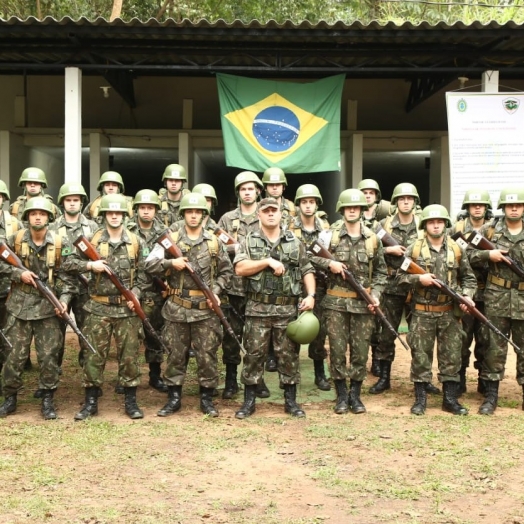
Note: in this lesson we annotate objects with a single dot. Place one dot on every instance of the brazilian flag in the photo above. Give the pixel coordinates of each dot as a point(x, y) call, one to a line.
point(295, 126)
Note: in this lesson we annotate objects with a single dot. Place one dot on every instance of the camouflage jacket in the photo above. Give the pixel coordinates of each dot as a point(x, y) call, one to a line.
point(215, 269)
point(15, 225)
point(367, 265)
point(506, 300)
point(170, 209)
point(25, 302)
point(292, 253)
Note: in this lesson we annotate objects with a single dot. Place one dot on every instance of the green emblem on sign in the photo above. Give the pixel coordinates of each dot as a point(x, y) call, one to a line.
point(461, 105)
point(511, 105)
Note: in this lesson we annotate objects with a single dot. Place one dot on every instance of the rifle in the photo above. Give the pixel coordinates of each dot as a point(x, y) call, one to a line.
point(5, 339)
point(7, 254)
point(414, 269)
point(228, 240)
point(318, 249)
point(165, 241)
point(480, 242)
point(83, 280)
point(92, 254)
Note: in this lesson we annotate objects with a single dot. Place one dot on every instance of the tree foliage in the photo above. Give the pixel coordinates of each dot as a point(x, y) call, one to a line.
point(398, 11)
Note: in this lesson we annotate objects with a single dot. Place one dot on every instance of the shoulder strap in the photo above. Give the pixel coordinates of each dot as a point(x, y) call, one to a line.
point(21, 248)
point(387, 224)
point(93, 208)
point(11, 224)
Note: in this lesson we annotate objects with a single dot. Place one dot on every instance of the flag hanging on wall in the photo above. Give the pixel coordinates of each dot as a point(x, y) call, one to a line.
point(294, 126)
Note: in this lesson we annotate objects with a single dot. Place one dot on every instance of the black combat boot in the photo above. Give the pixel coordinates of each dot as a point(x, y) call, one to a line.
point(491, 398)
point(271, 361)
point(355, 404)
point(421, 398)
point(131, 407)
point(262, 390)
point(248, 407)
point(320, 376)
point(290, 401)
point(206, 402)
point(174, 401)
point(48, 407)
point(231, 386)
point(463, 388)
point(383, 383)
point(155, 380)
point(39, 393)
point(431, 389)
point(8, 407)
point(375, 366)
point(341, 407)
point(90, 407)
point(450, 401)
point(481, 386)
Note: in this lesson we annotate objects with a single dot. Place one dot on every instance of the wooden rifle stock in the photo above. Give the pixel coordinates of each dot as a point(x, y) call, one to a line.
point(11, 258)
point(387, 239)
point(318, 249)
point(165, 241)
point(225, 237)
point(92, 254)
point(414, 269)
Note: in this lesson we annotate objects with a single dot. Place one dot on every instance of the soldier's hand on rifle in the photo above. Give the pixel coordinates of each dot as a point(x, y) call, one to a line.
point(428, 279)
point(337, 268)
point(497, 255)
point(397, 251)
point(60, 312)
point(179, 263)
point(277, 267)
point(210, 304)
point(372, 307)
point(463, 307)
point(130, 305)
point(98, 266)
point(28, 277)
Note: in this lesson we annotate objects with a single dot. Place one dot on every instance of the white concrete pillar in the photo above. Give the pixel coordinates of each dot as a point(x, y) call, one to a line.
point(98, 161)
point(185, 156)
point(5, 158)
point(439, 172)
point(73, 125)
point(354, 161)
point(490, 82)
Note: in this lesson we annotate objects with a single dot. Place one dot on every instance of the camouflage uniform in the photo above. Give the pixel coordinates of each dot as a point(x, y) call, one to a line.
point(91, 210)
point(169, 209)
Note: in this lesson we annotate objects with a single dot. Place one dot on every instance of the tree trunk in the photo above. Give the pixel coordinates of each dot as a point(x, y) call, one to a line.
point(117, 9)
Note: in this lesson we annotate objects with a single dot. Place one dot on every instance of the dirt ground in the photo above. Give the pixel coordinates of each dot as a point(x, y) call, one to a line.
point(383, 466)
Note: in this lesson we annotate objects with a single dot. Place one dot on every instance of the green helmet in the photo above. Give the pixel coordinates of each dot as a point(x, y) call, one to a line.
point(308, 191)
point(193, 201)
point(41, 203)
point(32, 174)
point(434, 211)
point(71, 189)
point(174, 172)
point(207, 190)
point(146, 196)
point(369, 183)
point(351, 197)
point(405, 189)
point(476, 196)
point(511, 195)
point(111, 176)
point(4, 191)
point(304, 329)
point(247, 176)
point(274, 175)
point(113, 202)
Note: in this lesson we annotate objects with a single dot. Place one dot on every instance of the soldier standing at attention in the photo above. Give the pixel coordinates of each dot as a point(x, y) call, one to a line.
point(307, 226)
point(189, 321)
point(348, 318)
point(30, 315)
point(108, 313)
point(504, 294)
point(434, 316)
point(275, 265)
point(174, 178)
point(110, 183)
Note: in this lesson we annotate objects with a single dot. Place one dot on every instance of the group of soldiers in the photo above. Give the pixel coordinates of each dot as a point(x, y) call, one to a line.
point(270, 275)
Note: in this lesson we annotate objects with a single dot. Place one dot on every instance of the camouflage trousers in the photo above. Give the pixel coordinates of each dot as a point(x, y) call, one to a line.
point(354, 329)
point(4, 348)
point(475, 329)
point(77, 307)
point(153, 310)
point(317, 348)
point(231, 351)
point(393, 307)
point(128, 334)
point(494, 362)
point(48, 340)
point(204, 337)
point(446, 329)
point(258, 333)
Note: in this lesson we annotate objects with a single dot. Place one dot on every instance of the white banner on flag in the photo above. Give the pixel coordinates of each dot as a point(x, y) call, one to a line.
point(486, 143)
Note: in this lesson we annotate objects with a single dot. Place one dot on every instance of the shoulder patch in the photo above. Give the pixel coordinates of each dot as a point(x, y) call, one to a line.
point(66, 251)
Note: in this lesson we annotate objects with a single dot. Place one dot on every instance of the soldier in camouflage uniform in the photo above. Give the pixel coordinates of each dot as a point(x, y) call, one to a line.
point(238, 223)
point(307, 226)
point(189, 321)
point(434, 316)
point(348, 318)
point(34, 181)
point(504, 294)
point(8, 225)
point(30, 315)
point(110, 183)
point(109, 314)
point(476, 212)
point(147, 226)
point(174, 178)
point(275, 265)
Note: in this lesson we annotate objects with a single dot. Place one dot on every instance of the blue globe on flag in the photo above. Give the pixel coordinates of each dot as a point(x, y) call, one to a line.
point(276, 128)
